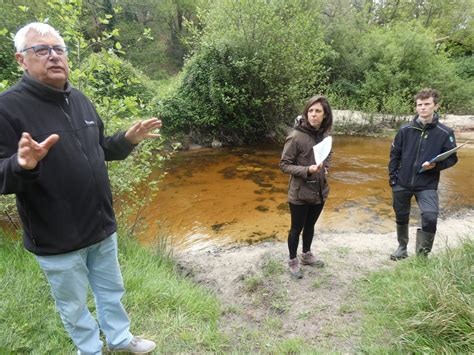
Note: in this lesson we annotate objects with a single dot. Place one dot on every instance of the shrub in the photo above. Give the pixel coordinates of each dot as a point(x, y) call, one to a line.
point(241, 83)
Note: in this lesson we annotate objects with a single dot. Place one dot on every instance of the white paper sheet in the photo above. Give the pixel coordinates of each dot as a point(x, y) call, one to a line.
point(322, 150)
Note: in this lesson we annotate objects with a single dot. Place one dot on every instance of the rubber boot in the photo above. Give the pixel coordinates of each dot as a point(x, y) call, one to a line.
point(424, 242)
point(402, 236)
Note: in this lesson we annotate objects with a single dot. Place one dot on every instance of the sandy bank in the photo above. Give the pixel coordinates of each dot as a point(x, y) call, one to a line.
point(321, 307)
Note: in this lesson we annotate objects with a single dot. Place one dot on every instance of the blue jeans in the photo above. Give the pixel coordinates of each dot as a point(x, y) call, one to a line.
point(69, 276)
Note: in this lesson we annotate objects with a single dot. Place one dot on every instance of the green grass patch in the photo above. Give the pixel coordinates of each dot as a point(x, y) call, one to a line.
point(252, 283)
point(423, 305)
point(291, 346)
point(178, 314)
point(273, 267)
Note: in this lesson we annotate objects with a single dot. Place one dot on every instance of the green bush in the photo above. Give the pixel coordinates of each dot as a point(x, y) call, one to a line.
point(242, 82)
point(219, 96)
point(399, 60)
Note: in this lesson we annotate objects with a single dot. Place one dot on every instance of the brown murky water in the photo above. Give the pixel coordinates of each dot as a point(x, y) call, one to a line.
point(238, 195)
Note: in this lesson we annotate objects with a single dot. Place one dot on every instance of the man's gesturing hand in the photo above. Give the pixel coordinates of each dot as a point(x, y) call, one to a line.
point(31, 152)
point(141, 130)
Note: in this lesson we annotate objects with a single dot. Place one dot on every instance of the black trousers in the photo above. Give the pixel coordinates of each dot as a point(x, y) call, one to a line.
point(303, 218)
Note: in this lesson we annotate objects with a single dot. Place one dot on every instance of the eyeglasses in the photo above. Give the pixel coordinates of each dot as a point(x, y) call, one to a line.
point(42, 50)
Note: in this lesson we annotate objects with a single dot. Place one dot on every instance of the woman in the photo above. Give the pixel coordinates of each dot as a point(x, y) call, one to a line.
point(308, 188)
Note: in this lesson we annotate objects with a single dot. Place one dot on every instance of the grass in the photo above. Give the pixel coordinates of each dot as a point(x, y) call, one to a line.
point(178, 314)
point(252, 283)
point(273, 267)
point(423, 305)
point(420, 306)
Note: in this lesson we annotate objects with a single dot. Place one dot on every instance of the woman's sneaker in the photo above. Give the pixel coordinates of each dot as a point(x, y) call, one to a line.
point(294, 268)
point(309, 259)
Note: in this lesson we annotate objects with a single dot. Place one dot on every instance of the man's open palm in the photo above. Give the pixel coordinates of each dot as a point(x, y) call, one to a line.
point(31, 152)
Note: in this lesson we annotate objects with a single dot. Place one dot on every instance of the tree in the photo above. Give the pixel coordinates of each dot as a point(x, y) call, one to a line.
point(401, 59)
point(241, 83)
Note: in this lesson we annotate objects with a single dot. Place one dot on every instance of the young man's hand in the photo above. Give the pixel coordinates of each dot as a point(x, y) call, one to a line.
point(428, 166)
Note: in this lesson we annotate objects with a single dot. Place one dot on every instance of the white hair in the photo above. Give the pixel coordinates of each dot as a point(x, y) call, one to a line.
point(42, 28)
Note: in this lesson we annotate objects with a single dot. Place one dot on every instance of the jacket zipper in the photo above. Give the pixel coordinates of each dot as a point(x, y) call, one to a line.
point(417, 155)
point(81, 147)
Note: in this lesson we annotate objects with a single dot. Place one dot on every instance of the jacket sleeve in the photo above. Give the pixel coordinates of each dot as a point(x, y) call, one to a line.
point(395, 158)
point(448, 144)
point(115, 147)
point(13, 178)
point(288, 161)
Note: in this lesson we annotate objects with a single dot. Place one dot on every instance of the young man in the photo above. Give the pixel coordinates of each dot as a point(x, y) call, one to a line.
point(413, 147)
point(52, 157)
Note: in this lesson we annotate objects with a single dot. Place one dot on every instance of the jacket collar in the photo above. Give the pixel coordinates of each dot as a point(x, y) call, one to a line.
point(430, 125)
point(44, 91)
point(304, 127)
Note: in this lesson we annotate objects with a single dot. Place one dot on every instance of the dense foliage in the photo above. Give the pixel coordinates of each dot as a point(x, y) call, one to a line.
point(396, 61)
point(255, 62)
point(249, 65)
point(242, 82)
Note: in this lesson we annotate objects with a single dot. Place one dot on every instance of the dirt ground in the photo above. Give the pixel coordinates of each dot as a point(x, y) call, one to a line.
point(261, 302)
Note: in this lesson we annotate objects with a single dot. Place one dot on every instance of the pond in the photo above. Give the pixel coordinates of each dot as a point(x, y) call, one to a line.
point(213, 197)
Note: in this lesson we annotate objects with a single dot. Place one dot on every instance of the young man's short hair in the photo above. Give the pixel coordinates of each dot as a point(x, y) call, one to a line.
point(426, 94)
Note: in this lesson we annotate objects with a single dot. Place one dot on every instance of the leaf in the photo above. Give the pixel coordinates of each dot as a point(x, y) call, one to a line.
point(118, 45)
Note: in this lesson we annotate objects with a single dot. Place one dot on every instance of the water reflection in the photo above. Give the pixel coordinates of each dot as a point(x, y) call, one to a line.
point(215, 197)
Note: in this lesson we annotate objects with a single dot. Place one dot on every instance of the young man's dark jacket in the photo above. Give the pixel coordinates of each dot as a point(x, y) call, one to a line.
point(65, 203)
point(413, 145)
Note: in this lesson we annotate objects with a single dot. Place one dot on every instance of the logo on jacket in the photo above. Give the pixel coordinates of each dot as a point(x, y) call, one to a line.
point(90, 123)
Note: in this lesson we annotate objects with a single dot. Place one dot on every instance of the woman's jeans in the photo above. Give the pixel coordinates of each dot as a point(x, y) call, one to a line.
point(70, 275)
point(303, 218)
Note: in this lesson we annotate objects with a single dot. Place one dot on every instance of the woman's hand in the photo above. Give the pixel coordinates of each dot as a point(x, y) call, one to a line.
point(315, 168)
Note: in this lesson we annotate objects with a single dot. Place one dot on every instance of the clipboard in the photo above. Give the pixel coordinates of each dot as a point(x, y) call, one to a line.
point(443, 156)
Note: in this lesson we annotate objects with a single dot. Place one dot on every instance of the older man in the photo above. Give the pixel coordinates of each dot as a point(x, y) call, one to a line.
point(52, 156)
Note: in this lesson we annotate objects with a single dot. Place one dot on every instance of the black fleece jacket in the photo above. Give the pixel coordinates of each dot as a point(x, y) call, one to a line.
point(65, 203)
point(413, 145)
